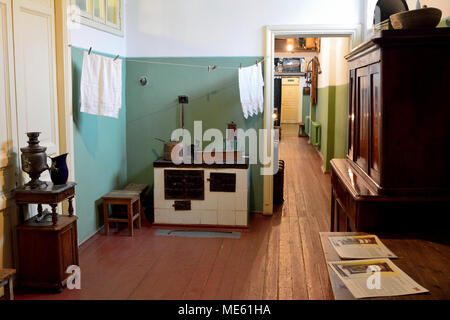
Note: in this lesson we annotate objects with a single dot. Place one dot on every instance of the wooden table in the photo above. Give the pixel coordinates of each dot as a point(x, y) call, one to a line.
point(425, 258)
point(50, 195)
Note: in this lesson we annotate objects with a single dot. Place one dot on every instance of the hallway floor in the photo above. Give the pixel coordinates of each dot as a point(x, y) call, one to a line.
point(280, 258)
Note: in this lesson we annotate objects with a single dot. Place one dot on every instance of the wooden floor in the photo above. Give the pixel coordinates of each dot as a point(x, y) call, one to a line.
point(280, 258)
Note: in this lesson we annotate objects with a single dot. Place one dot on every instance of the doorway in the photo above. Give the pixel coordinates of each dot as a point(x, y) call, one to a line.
point(353, 32)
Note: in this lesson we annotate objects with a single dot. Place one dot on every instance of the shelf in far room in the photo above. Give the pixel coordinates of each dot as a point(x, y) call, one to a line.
point(290, 74)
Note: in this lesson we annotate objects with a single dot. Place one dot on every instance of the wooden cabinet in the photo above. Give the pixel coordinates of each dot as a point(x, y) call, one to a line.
point(46, 251)
point(398, 112)
point(397, 173)
point(46, 248)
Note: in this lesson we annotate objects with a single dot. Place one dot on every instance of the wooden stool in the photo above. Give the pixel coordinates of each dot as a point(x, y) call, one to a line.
point(142, 190)
point(131, 199)
point(6, 280)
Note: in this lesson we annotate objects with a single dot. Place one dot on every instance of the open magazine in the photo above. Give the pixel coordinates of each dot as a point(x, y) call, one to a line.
point(360, 247)
point(375, 278)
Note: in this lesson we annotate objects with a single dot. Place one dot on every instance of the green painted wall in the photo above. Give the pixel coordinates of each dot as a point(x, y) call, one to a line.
point(324, 110)
point(341, 122)
point(153, 111)
point(306, 107)
point(331, 113)
point(100, 156)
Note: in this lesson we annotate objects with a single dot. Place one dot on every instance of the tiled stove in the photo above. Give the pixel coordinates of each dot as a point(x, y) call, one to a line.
point(201, 195)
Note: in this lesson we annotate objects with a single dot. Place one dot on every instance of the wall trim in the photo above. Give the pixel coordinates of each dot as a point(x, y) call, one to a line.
point(64, 84)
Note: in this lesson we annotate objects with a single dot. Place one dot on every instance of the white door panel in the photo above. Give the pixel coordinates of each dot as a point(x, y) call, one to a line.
point(34, 35)
point(290, 100)
point(8, 142)
point(8, 153)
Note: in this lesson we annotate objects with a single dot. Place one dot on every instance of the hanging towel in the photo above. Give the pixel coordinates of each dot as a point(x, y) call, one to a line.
point(260, 88)
point(101, 85)
point(251, 85)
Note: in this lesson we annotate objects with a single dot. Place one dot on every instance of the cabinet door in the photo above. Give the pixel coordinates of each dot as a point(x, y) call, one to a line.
point(351, 116)
point(375, 122)
point(363, 115)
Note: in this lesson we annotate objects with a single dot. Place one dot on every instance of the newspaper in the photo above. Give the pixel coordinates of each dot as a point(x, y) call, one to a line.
point(360, 247)
point(375, 278)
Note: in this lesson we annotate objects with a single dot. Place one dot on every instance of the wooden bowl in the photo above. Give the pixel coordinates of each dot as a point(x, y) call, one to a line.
point(425, 18)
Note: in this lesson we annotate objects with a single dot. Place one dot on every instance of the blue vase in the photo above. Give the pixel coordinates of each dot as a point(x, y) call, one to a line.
point(58, 170)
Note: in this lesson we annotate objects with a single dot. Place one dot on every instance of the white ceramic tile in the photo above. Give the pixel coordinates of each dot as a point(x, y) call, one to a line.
point(164, 204)
point(162, 216)
point(159, 176)
point(227, 201)
point(241, 180)
point(242, 218)
point(190, 217)
point(241, 200)
point(159, 181)
point(159, 195)
point(210, 202)
point(227, 218)
point(208, 217)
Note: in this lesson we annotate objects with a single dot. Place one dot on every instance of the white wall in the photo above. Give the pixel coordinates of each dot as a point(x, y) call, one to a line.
point(332, 61)
point(342, 71)
point(158, 28)
point(444, 5)
point(222, 27)
point(85, 37)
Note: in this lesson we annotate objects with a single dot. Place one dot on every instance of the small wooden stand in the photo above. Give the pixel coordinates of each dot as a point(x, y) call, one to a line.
point(47, 248)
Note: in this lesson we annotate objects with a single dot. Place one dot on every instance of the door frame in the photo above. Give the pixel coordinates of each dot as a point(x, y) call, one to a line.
point(354, 31)
point(64, 83)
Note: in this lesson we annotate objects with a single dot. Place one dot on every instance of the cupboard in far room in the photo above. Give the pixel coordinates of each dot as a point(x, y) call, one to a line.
point(396, 174)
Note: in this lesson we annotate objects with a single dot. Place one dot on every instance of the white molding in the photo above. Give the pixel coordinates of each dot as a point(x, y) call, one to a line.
point(64, 69)
point(354, 31)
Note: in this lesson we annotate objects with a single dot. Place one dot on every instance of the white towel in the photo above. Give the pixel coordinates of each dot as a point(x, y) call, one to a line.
point(260, 88)
point(101, 85)
point(251, 84)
